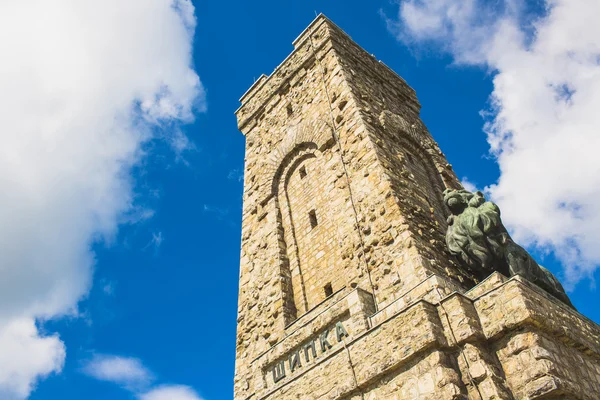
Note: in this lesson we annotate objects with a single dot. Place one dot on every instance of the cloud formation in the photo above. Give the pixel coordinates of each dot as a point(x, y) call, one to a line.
point(132, 375)
point(25, 357)
point(84, 85)
point(127, 372)
point(171, 392)
point(544, 120)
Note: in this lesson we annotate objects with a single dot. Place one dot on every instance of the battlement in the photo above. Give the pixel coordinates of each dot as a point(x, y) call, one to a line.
point(320, 36)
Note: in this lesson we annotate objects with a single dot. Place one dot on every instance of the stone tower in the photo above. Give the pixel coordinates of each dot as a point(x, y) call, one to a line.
point(347, 290)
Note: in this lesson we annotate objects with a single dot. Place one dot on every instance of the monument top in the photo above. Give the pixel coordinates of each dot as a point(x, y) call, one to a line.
point(271, 83)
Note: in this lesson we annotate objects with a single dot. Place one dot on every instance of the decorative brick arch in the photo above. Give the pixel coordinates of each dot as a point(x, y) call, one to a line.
point(315, 134)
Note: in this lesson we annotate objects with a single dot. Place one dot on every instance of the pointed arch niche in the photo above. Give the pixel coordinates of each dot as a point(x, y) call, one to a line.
point(309, 230)
point(310, 242)
point(429, 182)
point(417, 153)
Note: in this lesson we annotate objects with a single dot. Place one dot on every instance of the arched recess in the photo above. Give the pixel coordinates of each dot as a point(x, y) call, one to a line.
point(418, 154)
point(421, 166)
point(302, 147)
point(315, 133)
point(309, 236)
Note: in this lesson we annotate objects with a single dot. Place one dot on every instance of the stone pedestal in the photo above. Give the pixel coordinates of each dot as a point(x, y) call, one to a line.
point(504, 339)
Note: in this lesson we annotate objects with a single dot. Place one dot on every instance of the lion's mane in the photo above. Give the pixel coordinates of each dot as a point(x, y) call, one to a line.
point(475, 232)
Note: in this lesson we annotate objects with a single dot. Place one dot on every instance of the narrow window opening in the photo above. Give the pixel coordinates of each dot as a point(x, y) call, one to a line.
point(328, 290)
point(312, 216)
point(290, 110)
point(342, 104)
point(302, 172)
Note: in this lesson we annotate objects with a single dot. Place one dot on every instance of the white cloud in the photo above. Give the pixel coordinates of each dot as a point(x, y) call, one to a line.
point(108, 288)
point(236, 175)
point(155, 242)
point(467, 184)
point(25, 357)
point(83, 86)
point(124, 371)
point(218, 212)
point(171, 392)
point(132, 375)
point(544, 123)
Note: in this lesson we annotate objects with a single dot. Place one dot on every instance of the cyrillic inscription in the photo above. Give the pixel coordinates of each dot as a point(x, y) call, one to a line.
point(310, 348)
point(278, 371)
point(325, 345)
point(340, 331)
point(295, 361)
point(309, 351)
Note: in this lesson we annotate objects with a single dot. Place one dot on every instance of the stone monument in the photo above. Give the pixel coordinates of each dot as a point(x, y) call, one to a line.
point(477, 236)
point(360, 277)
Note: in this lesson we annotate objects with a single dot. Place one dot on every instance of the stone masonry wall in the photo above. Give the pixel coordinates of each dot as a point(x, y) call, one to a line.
point(304, 119)
point(445, 349)
point(414, 166)
point(287, 264)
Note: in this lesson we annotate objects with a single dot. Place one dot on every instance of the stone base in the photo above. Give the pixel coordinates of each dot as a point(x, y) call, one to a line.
point(504, 339)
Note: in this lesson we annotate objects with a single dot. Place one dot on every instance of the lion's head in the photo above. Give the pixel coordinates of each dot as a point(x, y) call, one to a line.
point(458, 200)
point(475, 232)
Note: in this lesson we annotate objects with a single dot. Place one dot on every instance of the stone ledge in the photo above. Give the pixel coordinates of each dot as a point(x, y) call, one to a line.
point(317, 310)
point(352, 309)
point(426, 289)
point(489, 283)
point(414, 331)
point(352, 304)
point(517, 303)
point(389, 346)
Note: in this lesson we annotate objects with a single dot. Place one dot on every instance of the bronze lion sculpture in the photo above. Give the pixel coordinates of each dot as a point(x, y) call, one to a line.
point(478, 238)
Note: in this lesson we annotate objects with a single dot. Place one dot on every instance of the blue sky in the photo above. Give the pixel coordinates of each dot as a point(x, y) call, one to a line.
point(155, 267)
